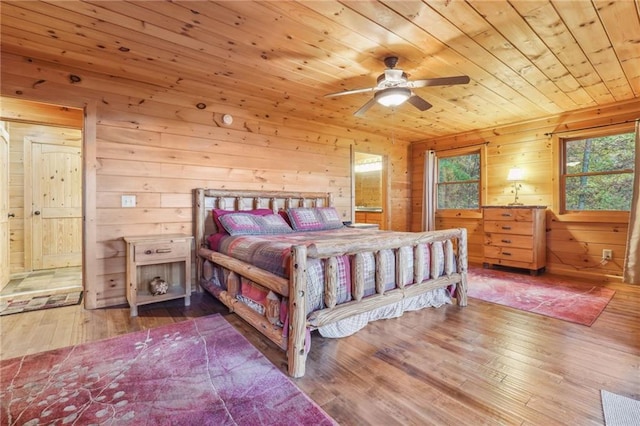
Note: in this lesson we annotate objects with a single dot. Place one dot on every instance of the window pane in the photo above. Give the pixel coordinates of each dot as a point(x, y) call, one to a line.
point(600, 192)
point(458, 196)
point(607, 153)
point(459, 169)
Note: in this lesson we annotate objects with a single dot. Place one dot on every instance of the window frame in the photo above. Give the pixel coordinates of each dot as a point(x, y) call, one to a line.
point(457, 152)
point(612, 216)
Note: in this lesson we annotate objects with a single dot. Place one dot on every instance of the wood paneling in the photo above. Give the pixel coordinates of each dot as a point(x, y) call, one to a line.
point(159, 154)
point(278, 59)
point(154, 95)
point(574, 241)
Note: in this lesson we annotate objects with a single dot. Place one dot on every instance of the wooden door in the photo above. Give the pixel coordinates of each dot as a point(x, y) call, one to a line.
point(56, 202)
point(4, 205)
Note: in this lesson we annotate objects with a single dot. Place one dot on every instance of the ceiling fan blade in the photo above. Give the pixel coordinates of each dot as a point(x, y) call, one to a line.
point(419, 103)
point(364, 108)
point(442, 81)
point(351, 92)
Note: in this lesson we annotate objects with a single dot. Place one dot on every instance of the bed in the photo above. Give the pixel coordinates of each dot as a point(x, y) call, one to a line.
point(315, 273)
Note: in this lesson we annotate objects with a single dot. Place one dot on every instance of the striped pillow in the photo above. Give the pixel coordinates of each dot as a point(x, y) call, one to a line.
point(314, 219)
point(249, 224)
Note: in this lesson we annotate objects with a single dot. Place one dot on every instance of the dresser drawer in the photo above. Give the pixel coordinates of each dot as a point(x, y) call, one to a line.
point(508, 253)
point(145, 252)
point(518, 215)
point(508, 240)
point(501, 227)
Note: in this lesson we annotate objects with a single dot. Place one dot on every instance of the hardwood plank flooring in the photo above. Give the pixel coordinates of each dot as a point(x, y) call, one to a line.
point(484, 364)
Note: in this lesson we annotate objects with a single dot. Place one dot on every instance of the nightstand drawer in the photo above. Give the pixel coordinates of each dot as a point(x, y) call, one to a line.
point(160, 251)
point(510, 214)
point(520, 228)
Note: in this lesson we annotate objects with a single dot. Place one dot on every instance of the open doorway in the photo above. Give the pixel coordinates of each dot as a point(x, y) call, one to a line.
point(370, 185)
point(45, 208)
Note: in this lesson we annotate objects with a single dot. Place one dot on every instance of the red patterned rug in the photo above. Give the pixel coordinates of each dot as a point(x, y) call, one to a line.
point(562, 299)
point(197, 372)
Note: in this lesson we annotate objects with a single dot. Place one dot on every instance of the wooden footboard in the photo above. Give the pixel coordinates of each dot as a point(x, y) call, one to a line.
point(454, 249)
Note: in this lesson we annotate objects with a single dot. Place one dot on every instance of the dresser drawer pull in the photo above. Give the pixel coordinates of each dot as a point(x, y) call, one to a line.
point(506, 253)
point(506, 228)
point(506, 214)
point(506, 241)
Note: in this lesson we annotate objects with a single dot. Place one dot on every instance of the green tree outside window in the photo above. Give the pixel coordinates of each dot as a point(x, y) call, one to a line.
point(598, 173)
point(459, 182)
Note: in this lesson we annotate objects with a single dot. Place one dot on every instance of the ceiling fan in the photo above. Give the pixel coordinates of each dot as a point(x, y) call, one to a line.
point(394, 88)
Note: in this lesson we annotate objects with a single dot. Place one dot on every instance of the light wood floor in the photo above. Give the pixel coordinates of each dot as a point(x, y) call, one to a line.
point(480, 365)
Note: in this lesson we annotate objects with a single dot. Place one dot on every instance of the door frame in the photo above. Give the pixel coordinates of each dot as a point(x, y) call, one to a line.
point(4, 208)
point(384, 186)
point(89, 136)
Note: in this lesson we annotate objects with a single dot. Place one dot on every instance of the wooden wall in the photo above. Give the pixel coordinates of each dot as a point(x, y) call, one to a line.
point(158, 145)
point(574, 241)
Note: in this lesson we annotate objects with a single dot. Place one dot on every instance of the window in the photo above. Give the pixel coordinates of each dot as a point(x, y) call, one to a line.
point(459, 181)
point(597, 173)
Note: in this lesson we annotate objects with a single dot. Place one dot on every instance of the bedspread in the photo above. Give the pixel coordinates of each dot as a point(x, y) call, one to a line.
point(272, 253)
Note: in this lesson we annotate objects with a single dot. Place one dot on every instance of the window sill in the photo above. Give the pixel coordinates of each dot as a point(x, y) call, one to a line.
point(593, 216)
point(459, 213)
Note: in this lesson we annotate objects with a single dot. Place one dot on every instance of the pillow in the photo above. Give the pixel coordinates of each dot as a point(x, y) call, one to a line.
point(250, 224)
point(216, 213)
point(314, 219)
point(274, 224)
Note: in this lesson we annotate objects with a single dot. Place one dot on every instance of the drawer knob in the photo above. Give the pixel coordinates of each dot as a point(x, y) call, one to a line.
point(506, 214)
point(506, 241)
point(506, 227)
point(506, 253)
point(148, 252)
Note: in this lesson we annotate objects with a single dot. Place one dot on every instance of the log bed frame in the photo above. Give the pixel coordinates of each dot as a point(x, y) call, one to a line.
point(294, 288)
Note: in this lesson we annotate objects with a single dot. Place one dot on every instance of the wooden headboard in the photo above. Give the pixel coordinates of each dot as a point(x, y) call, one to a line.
point(229, 199)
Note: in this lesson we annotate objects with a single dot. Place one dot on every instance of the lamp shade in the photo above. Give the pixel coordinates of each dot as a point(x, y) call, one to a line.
point(392, 96)
point(515, 174)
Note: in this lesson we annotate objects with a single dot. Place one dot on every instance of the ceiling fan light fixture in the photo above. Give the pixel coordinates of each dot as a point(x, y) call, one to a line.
point(392, 96)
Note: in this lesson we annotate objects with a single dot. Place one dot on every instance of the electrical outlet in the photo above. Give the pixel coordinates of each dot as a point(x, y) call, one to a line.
point(128, 201)
point(607, 254)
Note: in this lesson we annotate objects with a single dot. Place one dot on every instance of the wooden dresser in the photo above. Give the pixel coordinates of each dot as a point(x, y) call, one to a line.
point(515, 236)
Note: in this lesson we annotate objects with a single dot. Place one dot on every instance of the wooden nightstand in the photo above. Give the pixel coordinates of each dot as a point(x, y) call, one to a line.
point(165, 256)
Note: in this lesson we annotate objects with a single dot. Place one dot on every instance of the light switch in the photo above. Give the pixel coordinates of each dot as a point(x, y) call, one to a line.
point(128, 201)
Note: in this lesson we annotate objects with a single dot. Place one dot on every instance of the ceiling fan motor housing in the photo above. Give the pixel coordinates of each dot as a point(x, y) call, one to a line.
point(391, 61)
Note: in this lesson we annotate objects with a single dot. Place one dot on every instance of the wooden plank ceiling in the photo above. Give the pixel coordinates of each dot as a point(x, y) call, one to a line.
point(526, 59)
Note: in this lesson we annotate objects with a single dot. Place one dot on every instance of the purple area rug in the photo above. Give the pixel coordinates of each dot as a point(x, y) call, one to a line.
point(197, 372)
point(562, 299)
